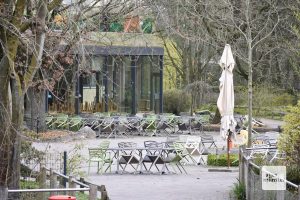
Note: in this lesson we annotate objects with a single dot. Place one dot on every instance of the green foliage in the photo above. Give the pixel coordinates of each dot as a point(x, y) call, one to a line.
point(172, 64)
point(262, 96)
point(267, 101)
point(284, 99)
point(211, 107)
point(26, 184)
point(75, 160)
point(239, 191)
point(82, 196)
point(221, 160)
point(293, 174)
point(289, 140)
point(29, 154)
point(176, 101)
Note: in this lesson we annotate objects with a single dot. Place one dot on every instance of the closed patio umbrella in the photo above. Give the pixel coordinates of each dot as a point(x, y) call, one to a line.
point(225, 101)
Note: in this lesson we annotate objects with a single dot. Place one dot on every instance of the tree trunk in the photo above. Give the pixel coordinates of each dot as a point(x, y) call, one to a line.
point(35, 110)
point(16, 131)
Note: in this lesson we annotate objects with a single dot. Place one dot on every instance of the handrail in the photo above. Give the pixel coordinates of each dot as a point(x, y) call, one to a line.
point(51, 190)
point(288, 182)
point(257, 148)
point(67, 177)
point(260, 168)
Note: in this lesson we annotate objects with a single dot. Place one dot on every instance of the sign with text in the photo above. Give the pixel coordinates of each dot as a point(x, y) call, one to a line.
point(273, 177)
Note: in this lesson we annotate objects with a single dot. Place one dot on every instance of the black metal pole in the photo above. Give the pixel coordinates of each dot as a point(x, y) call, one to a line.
point(46, 101)
point(133, 84)
point(97, 86)
point(105, 67)
point(161, 74)
point(65, 168)
point(77, 95)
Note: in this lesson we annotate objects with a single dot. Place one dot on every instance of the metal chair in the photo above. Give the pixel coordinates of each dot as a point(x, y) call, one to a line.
point(128, 155)
point(153, 155)
point(174, 159)
point(208, 139)
point(100, 156)
point(192, 147)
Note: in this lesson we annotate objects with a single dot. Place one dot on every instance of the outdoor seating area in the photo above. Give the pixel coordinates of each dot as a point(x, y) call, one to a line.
point(115, 124)
point(150, 156)
point(264, 146)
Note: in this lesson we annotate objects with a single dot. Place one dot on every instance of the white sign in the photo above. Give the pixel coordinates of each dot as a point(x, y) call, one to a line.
point(273, 177)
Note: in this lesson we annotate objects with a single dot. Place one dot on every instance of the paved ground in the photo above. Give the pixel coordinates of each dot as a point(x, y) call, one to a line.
point(198, 184)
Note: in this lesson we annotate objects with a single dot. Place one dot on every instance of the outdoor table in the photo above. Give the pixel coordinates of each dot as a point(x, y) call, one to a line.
point(141, 152)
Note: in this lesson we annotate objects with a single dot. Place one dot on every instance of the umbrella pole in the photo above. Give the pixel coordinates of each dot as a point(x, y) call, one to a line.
point(228, 148)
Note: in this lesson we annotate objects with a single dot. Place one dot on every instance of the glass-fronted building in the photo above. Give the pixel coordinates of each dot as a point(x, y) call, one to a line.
point(125, 73)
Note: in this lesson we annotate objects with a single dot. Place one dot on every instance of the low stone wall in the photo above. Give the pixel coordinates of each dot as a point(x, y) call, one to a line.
point(216, 127)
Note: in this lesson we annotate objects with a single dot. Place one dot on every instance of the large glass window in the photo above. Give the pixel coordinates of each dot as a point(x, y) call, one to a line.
point(148, 84)
point(92, 81)
point(120, 84)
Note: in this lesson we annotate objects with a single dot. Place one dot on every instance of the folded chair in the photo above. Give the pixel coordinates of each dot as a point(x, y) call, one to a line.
point(184, 125)
point(134, 125)
point(107, 127)
point(197, 126)
point(278, 155)
point(75, 123)
point(49, 121)
point(121, 126)
point(175, 158)
point(208, 140)
point(153, 154)
point(194, 152)
point(259, 151)
point(150, 125)
point(163, 127)
point(128, 155)
point(61, 121)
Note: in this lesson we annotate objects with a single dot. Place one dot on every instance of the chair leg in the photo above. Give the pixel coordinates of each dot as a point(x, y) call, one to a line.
point(183, 168)
point(178, 168)
point(98, 167)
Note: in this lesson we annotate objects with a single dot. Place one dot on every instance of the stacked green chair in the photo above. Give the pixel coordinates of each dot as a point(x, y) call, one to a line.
point(101, 156)
point(61, 121)
point(75, 123)
point(175, 158)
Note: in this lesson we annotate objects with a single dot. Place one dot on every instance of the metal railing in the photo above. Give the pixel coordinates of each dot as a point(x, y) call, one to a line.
point(57, 179)
point(250, 177)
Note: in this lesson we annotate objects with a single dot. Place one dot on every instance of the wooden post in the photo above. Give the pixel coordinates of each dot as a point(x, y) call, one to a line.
point(241, 165)
point(3, 192)
point(248, 185)
point(93, 192)
point(53, 182)
point(103, 193)
point(42, 182)
point(298, 192)
point(280, 195)
point(71, 185)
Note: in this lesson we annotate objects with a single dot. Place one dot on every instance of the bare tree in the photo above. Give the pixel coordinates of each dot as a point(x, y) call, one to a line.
point(30, 57)
point(249, 26)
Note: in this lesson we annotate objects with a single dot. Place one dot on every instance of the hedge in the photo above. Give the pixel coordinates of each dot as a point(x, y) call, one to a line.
point(221, 160)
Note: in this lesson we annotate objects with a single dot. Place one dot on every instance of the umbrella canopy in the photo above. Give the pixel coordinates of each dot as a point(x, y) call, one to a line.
point(225, 101)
